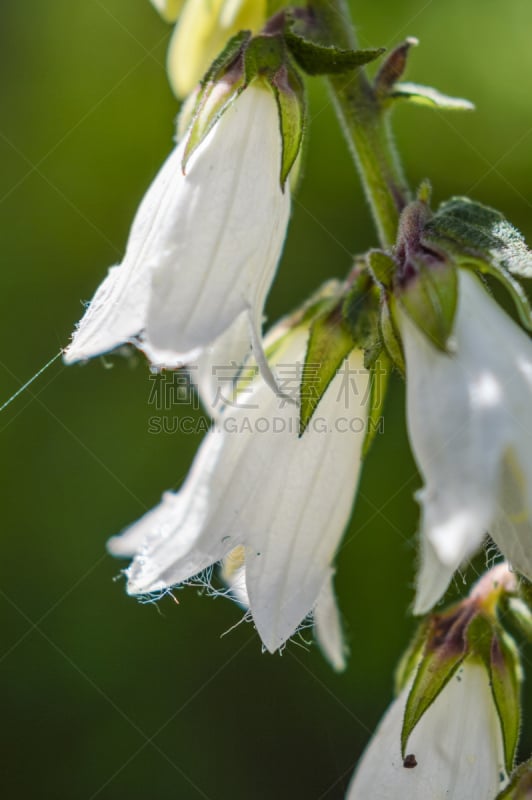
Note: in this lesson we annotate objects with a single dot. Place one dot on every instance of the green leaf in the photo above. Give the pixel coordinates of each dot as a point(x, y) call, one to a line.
point(505, 672)
point(393, 67)
point(520, 786)
point(316, 58)
point(428, 96)
point(430, 299)
point(330, 342)
point(479, 237)
point(485, 232)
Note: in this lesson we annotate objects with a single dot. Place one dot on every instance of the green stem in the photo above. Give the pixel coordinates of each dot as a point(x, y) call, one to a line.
point(366, 126)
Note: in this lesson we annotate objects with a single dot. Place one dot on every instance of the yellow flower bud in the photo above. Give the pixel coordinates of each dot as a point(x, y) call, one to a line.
point(204, 28)
point(168, 9)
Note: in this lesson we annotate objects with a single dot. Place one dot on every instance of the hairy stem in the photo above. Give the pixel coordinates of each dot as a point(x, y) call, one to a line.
point(366, 125)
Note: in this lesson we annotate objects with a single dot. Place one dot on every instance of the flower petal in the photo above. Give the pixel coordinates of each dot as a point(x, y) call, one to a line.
point(186, 537)
point(129, 543)
point(255, 482)
point(433, 578)
point(220, 257)
point(219, 365)
point(302, 496)
point(464, 409)
point(457, 746)
point(512, 529)
point(117, 312)
point(328, 627)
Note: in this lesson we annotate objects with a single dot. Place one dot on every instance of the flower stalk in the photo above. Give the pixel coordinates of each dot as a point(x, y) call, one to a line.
point(366, 125)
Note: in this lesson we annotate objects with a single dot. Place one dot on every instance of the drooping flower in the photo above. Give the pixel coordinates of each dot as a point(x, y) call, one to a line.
point(327, 626)
point(204, 245)
point(470, 424)
point(256, 483)
point(203, 29)
point(455, 752)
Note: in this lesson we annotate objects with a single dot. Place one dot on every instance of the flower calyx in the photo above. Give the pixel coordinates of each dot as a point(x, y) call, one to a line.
point(347, 320)
point(469, 630)
point(262, 60)
point(420, 272)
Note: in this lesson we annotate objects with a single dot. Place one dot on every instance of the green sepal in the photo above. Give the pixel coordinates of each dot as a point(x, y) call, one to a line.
point(497, 651)
point(263, 56)
point(245, 59)
point(479, 635)
point(330, 342)
point(409, 661)
point(379, 375)
point(430, 299)
point(445, 650)
point(428, 96)
point(520, 786)
point(520, 614)
point(390, 336)
point(351, 320)
point(382, 267)
point(479, 237)
point(290, 95)
point(505, 672)
point(266, 57)
point(361, 313)
point(206, 114)
point(321, 301)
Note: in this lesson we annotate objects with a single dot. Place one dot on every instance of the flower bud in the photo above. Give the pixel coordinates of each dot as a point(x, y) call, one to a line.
point(203, 30)
point(168, 9)
point(453, 730)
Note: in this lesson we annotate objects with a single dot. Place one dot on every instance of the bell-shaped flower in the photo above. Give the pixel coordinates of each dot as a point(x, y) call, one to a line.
point(455, 752)
point(203, 30)
point(327, 625)
point(256, 483)
point(168, 9)
point(470, 424)
point(204, 245)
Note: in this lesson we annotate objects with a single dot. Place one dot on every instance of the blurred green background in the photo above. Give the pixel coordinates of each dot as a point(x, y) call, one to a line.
point(103, 697)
